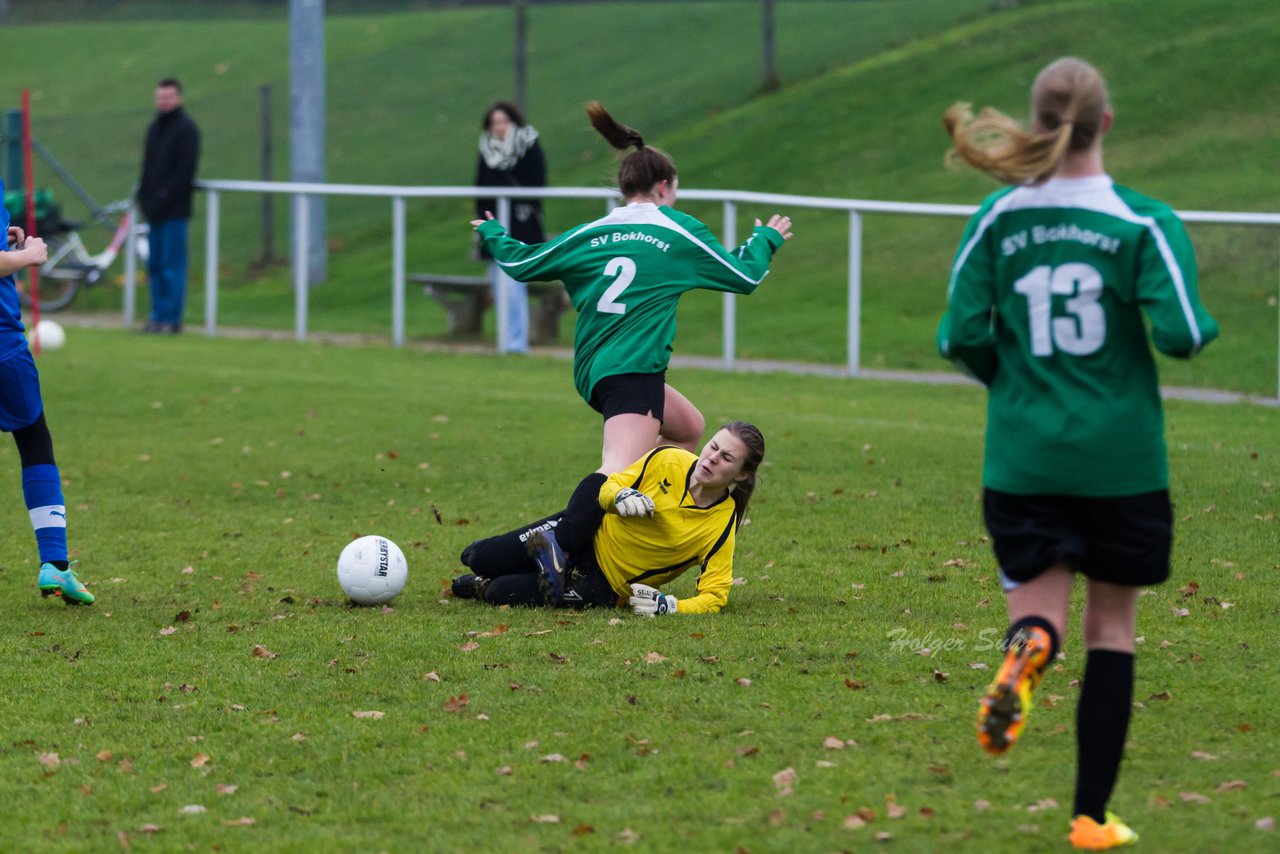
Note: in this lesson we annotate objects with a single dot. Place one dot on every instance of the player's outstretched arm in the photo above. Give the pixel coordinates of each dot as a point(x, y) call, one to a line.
point(32, 253)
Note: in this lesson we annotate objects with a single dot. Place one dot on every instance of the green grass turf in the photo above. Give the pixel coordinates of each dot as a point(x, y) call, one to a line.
point(858, 117)
point(253, 463)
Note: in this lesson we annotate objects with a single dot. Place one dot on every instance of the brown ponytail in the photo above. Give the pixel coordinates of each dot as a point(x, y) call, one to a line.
point(1068, 100)
point(753, 439)
point(642, 169)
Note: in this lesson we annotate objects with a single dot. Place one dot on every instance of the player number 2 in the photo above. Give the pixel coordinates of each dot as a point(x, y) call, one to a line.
point(625, 270)
point(1085, 329)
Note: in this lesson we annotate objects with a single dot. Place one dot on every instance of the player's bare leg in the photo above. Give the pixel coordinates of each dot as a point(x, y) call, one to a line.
point(627, 438)
point(682, 423)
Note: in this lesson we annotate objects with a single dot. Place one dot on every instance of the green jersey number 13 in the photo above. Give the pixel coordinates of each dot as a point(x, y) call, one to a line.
point(1080, 334)
point(625, 270)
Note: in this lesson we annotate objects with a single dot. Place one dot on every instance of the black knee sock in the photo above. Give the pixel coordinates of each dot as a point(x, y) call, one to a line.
point(582, 517)
point(1102, 723)
point(1016, 630)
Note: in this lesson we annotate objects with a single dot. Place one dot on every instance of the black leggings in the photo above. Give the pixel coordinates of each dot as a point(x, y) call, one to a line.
point(513, 575)
point(35, 445)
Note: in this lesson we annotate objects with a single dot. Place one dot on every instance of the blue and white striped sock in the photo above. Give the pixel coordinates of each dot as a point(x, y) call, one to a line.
point(42, 489)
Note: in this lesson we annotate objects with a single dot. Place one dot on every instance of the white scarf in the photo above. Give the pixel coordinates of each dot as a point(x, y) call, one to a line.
point(502, 154)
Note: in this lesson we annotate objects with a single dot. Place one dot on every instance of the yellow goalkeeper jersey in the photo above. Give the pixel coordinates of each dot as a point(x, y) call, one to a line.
point(680, 535)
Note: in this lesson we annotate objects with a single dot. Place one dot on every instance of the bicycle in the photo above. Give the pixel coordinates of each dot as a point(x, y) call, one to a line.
point(70, 264)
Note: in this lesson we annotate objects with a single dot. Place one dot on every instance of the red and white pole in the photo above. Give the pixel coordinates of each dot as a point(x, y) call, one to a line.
point(33, 273)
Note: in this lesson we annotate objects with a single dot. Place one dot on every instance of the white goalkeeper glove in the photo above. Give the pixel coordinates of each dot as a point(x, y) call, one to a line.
point(650, 601)
point(633, 502)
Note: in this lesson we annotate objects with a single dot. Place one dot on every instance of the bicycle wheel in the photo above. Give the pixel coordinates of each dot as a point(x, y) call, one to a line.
point(60, 277)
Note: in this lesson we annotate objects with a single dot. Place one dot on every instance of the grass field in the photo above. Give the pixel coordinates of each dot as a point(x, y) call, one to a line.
point(865, 85)
point(211, 485)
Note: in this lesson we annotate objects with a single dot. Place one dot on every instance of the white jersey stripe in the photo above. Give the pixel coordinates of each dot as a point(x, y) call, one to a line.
point(1083, 193)
point(643, 213)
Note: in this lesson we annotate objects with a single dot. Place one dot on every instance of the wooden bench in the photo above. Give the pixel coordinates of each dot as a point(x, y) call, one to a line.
point(466, 298)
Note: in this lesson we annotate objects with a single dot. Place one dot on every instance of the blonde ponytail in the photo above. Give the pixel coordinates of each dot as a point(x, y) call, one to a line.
point(1068, 100)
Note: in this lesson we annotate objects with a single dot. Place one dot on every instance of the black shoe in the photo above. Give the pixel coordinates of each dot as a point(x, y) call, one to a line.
point(465, 557)
point(468, 586)
point(170, 328)
point(546, 552)
point(152, 328)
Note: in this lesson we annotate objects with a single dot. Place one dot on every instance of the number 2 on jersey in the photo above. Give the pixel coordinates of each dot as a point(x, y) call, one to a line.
point(625, 270)
point(1078, 335)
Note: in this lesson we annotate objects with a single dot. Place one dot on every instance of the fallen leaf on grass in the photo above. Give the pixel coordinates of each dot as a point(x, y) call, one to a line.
point(244, 821)
point(627, 836)
point(545, 819)
point(167, 630)
point(191, 809)
point(554, 757)
point(104, 756)
point(883, 836)
point(654, 658)
point(894, 810)
point(583, 829)
point(854, 684)
point(505, 771)
point(833, 743)
point(226, 788)
point(149, 828)
point(372, 714)
point(432, 677)
point(155, 790)
point(1267, 823)
point(853, 822)
point(784, 781)
point(1193, 798)
point(469, 646)
point(456, 704)
point(614, 621)
point(981, 805)
point(558, 659)
point(1232, 785)
point(939, 676)
point(743, 681)
point(50, 760)
point(200, 760)
point(1163, 695)
point(260, 651)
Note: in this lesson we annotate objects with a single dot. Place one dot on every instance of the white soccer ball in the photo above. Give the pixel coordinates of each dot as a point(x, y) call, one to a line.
point(372, 570)
point(51, 335)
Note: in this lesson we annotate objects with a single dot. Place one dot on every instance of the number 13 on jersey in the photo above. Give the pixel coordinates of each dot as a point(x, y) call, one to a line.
point(1080, 333)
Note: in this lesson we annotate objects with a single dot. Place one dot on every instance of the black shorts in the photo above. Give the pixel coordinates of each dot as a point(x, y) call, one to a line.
point(1122, 540)
point(630, 394)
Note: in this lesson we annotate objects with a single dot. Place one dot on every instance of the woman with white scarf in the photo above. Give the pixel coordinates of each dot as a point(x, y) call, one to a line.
point(510, 156)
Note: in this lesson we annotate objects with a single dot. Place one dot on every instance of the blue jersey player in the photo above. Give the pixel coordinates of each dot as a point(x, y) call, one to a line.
point(22, 414)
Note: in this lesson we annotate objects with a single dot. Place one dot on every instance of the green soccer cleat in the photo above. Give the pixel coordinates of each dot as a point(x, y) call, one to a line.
point(63, 584)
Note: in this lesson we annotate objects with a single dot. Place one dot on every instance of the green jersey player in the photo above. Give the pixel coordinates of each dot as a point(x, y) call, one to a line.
point(1051, 289)
point(625, 274)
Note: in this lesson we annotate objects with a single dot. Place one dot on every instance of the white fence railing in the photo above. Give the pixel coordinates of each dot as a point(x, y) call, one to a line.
point(730, 199)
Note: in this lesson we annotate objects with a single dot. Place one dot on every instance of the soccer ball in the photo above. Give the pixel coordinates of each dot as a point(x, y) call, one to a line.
point(50, 333)
point(372, 570)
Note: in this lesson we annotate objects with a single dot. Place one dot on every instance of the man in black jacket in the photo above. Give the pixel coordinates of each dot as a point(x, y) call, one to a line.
point(164, 192)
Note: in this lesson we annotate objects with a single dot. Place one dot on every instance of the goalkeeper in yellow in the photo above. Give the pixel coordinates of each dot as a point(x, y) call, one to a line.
point(666, 513)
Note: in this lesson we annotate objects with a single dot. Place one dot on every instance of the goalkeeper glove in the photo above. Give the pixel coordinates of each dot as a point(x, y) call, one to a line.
point(633, 502)
point(651, 602)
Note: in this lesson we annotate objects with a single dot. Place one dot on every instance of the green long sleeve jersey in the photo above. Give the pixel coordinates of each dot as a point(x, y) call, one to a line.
point(1045, 306)
point(625, 274)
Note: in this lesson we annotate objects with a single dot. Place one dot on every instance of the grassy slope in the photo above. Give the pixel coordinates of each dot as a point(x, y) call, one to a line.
point(253, 463)
point(858, 118)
